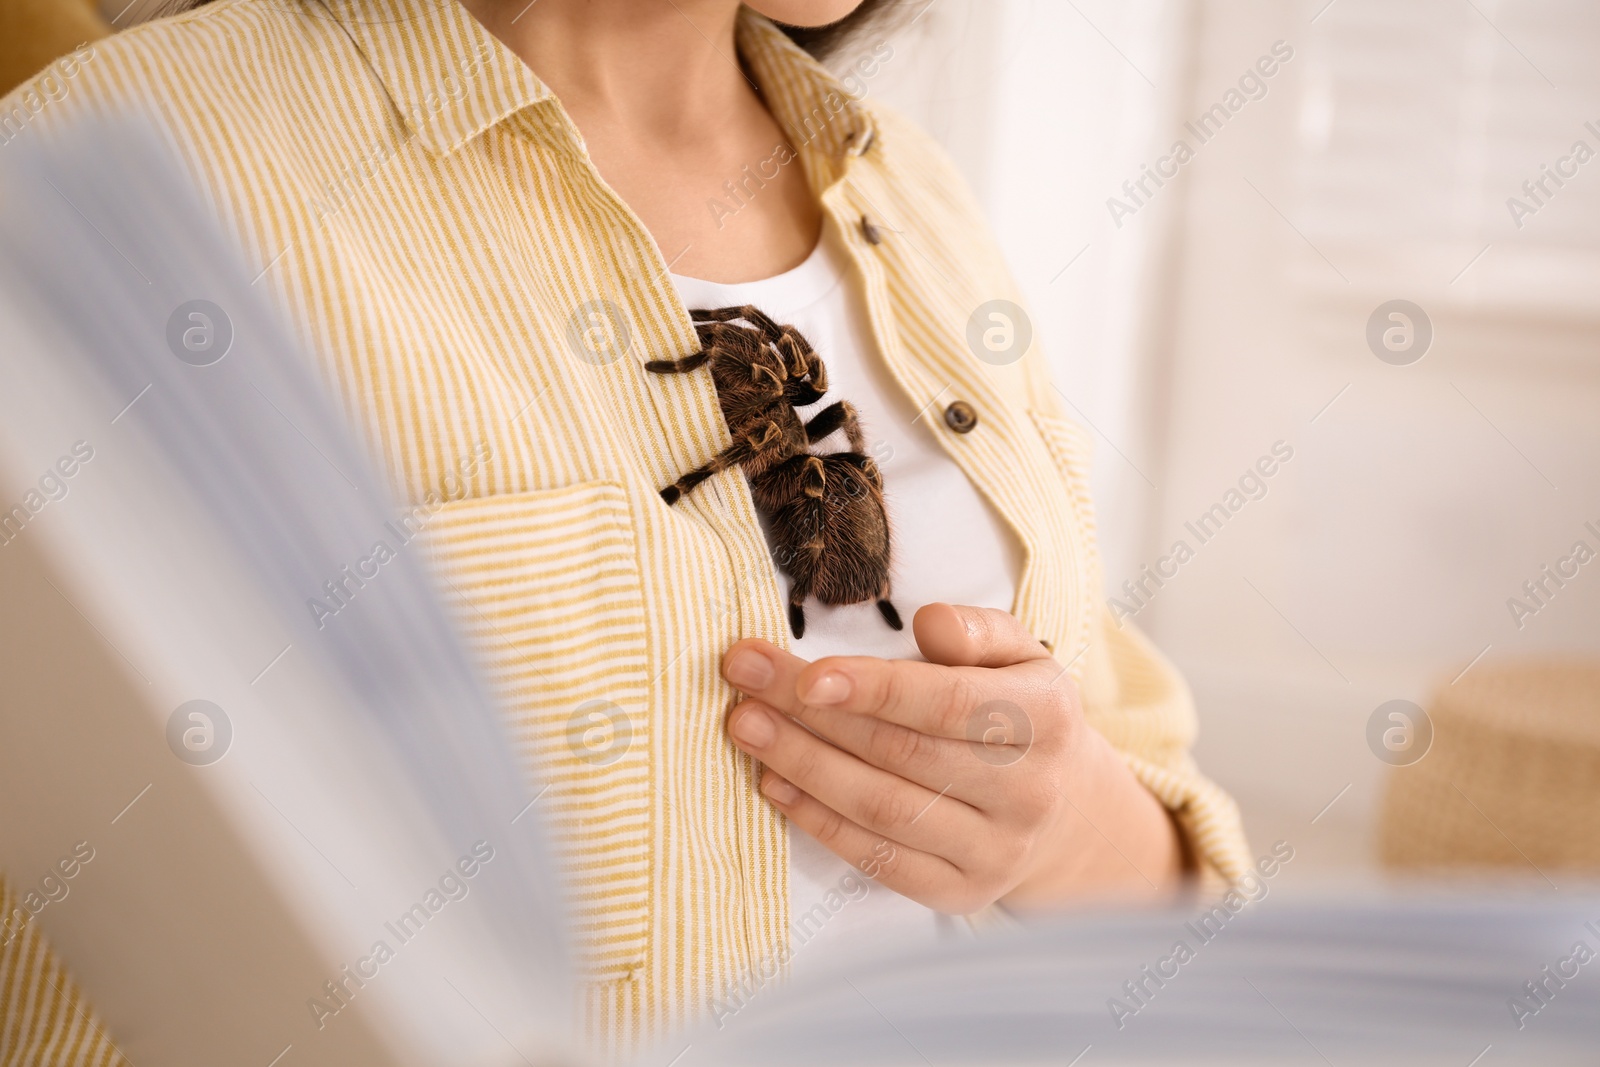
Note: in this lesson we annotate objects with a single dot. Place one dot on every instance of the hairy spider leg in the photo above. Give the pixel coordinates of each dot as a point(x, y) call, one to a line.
point(748, 312)
point(741, 451)
point(839, 415)
point(799, 357)
point(817, 375)
point(797, 611)
point(727, 314)
point(800, 392)
point(679, 366)
point(792, 346)
point(725, 335)
point(813, 483)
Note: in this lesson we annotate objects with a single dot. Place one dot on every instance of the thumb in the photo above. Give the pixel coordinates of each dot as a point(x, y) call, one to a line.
point(959, 636)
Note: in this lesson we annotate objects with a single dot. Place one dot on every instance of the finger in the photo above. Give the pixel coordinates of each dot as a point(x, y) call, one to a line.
point(864, 685)
point(934, 699)
point(764, 671)
point(945, 765)
point(771, 675)
point(946, 702)
point(958, 636)
point(927, 879)
point(874, 799)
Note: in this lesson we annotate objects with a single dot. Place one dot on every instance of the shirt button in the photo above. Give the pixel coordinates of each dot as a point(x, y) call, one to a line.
point(870, 231)
point(961, 417)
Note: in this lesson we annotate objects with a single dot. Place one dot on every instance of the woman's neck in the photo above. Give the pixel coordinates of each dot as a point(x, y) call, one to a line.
point(658, 69)
point(669, 117)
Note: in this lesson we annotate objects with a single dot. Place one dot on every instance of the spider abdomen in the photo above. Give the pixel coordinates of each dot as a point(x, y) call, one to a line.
point(829, 528)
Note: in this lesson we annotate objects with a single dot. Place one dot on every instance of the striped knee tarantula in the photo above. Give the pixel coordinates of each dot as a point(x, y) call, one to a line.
point(825, 511)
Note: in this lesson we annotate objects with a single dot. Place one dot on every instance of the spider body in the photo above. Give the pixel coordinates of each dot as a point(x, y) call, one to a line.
point(825, 512)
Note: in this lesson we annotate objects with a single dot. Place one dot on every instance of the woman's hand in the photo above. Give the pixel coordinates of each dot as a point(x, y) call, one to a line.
point(959, 782)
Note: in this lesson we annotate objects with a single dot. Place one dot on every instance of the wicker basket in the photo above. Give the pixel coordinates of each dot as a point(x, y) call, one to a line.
point(1512, 779)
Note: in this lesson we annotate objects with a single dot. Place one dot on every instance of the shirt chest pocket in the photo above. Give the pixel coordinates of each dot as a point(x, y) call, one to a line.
point(546, 587)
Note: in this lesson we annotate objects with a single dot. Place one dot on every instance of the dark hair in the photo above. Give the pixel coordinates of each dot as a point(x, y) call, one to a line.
point(820, 41)
point(823, 41)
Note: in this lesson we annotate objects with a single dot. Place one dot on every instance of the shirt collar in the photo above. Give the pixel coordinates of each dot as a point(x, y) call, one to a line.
point(825, 123)
point(450, 79)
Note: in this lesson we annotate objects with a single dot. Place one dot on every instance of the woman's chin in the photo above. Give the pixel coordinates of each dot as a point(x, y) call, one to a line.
point(807, 13)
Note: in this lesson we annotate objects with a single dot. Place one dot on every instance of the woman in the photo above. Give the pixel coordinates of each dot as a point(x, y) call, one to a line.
point(489, 219)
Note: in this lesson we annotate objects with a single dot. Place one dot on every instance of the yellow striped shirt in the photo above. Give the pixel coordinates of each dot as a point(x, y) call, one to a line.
point(483, 304)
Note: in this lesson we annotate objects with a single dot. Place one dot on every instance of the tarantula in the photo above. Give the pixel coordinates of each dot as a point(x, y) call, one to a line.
point(825, 511)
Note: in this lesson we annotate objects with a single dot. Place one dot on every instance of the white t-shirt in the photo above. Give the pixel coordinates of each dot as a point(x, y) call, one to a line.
point(946, 545)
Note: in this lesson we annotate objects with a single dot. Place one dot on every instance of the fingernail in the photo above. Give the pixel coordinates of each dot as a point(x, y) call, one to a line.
point(749, 670)
point(754, 727)
point(780, 790)
point(830, 687)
